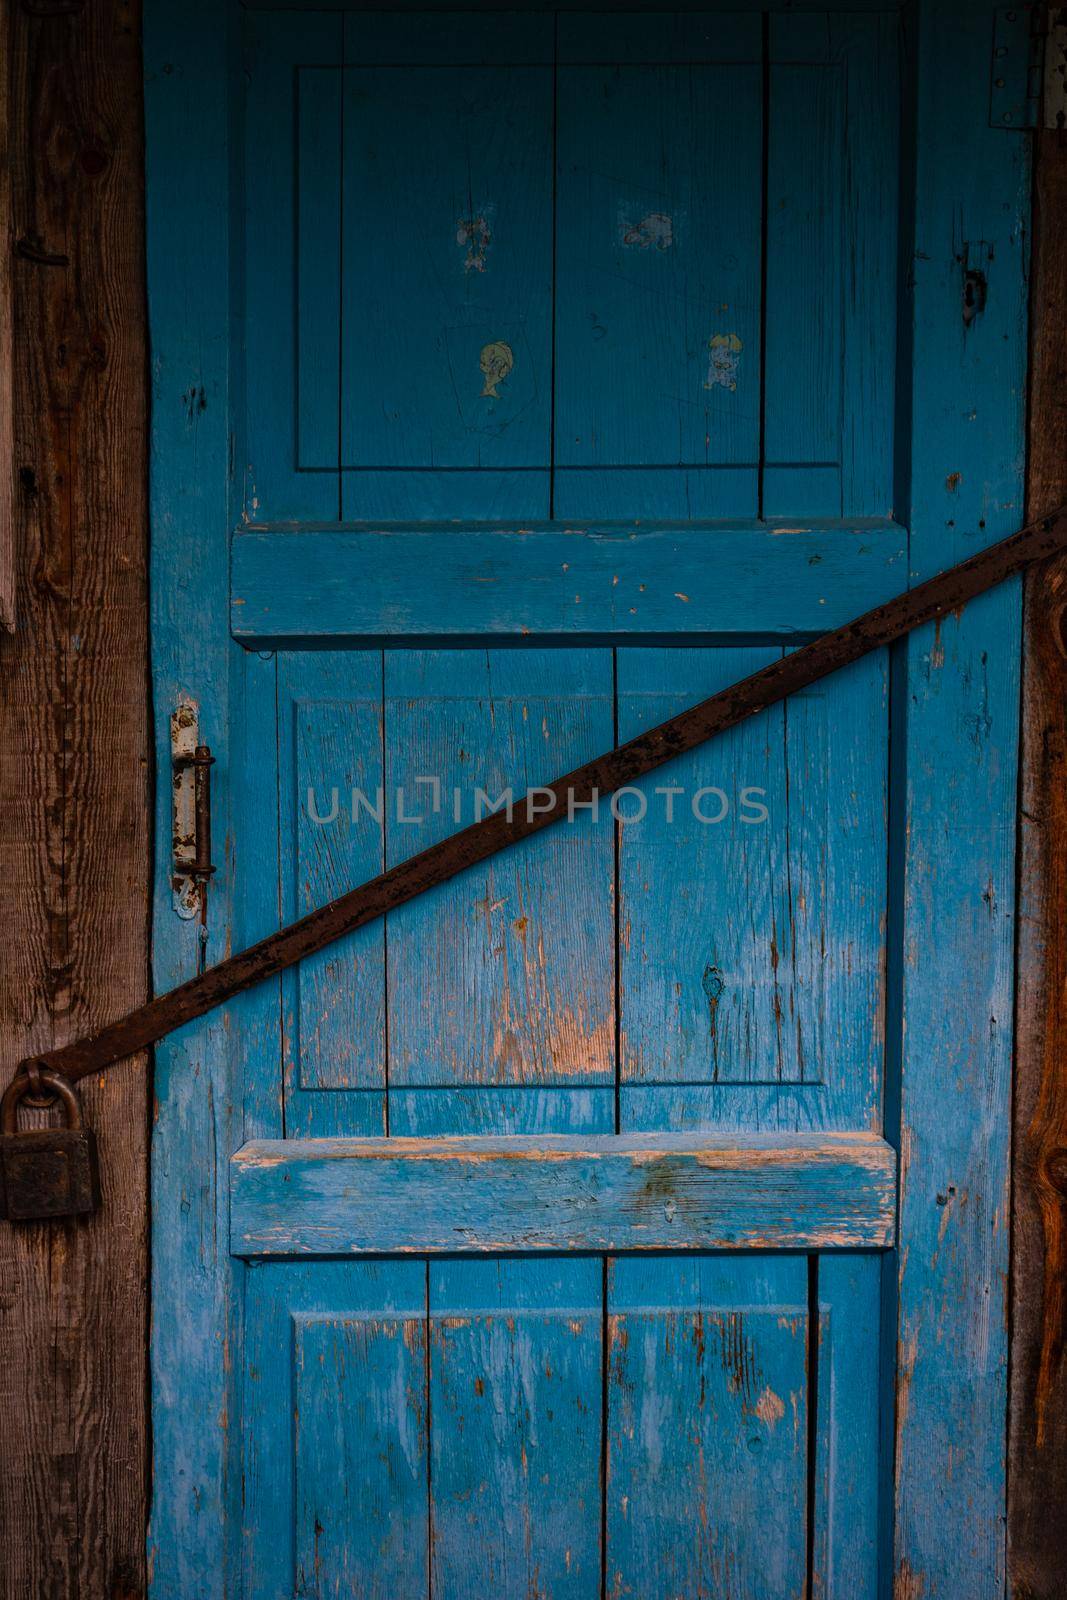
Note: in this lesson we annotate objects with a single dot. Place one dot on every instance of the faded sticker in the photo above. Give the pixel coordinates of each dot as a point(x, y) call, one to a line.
point(724, 358)
point(474, 235)
point(497, 360)
point(656, 230)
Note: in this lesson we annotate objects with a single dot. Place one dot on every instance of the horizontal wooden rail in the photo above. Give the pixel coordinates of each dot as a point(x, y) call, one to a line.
point(325, 1197)
point(618, 581)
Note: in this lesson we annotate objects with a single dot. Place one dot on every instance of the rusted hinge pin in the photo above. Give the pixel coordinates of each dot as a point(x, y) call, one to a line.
point(201, 762)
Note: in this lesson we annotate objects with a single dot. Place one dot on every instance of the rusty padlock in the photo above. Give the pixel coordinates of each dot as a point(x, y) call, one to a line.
point(46, 1172)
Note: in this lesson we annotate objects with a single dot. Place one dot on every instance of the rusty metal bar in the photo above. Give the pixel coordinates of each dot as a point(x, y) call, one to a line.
point(936, 598)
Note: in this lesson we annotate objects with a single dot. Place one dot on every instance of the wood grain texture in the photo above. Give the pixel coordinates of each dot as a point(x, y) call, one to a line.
point(562, 1192)
point(74, 852)
point(515, 1375)
point(741, 578)
point(707, 1399)
point(956, 748)
point(1037, 1459)
point(7, 337)
point(191, 1539)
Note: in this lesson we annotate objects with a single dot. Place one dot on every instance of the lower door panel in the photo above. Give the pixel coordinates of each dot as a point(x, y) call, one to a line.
point(668, 1427)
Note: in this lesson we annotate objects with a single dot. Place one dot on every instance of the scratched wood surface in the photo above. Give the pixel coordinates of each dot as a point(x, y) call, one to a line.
point(1037, 1459)
point(193, 1539)
point(959, 697)
point(7, 345)
point(293, 586)
point(73, 782)
point(562, 1192)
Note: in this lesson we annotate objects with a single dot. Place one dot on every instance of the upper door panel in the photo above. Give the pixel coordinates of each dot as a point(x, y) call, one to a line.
point(506, 266)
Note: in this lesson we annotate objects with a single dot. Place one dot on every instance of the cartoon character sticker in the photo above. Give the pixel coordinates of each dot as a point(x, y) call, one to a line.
point(497, 360)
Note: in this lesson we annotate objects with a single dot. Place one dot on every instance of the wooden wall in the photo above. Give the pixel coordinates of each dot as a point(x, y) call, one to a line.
point(74, 785)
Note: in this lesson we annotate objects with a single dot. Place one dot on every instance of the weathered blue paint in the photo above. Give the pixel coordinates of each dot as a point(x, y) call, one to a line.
point(707, 1427)
point(515, 1380)
point(562, 1192)
point(195, 1308)
point(963, 487)
point(329, 745)
point(622, 582)
point(467, 328)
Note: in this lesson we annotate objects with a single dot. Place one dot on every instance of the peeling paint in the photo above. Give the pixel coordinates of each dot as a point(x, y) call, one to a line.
point(770, 1407)
point(724, 360)
point(496, 361)
point(654, 231)
point(474, 235)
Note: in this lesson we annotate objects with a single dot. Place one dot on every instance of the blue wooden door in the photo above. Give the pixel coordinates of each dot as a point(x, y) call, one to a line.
point(522, 377)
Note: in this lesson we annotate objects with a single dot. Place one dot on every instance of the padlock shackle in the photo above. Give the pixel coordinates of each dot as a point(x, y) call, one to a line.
point(19, 1088)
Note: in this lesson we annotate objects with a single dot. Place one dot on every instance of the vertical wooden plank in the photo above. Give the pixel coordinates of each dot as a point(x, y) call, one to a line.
point(832, 161)
point(870, 47)
point(501, 1016)
point(505, 976)
point(707, 1426)
point(752, 946)
point(7, 343)
point(961, 487)
point(515, 1388)
point(846, 1494)
point(290, 285)
point(1037, 1460)
point(360, 1467)
point(447, 236)
point(806, 242)
point(195, 1428)
point(73, 780)
point(658, 265)
point(335, 1436)
point(333, 835)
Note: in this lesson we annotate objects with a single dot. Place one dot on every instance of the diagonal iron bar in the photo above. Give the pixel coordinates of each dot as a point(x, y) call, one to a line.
point(613, 770)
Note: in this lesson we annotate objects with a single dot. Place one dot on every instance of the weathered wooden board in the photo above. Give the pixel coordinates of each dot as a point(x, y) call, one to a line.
point(955, 753)
point(74, 804)
point(562, 1192)
point(193, 1539)
point(515, 1379)
point(658, 259)
point(505, 975)
point(333, 1447)
point(765, 966)
point(707, 1427)
point(1037, 1459)
point(7, 346)
point(329, 746)
point(289, 453)
point(343, 584)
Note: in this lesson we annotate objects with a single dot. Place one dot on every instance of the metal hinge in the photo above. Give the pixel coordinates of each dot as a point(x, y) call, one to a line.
point(1018, 65)
point(191, 764)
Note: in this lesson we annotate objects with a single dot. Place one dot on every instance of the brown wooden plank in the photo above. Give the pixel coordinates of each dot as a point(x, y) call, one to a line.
point(74, 859)
point(7, 439)
point(1037, 1528)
